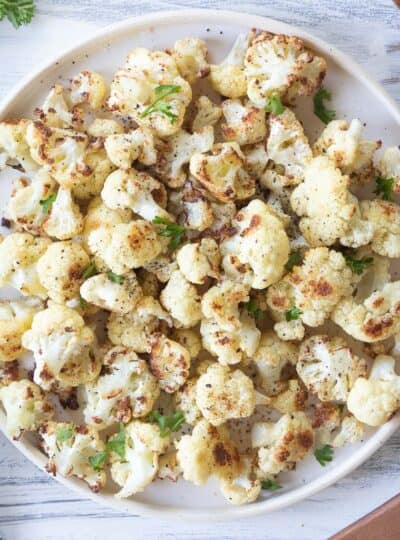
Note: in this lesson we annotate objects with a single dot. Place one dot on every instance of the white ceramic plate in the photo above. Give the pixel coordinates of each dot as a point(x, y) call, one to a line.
point(355, 94)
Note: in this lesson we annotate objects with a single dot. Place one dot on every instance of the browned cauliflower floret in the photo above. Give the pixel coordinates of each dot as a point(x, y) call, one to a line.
point(188, 338)
point(207, 113)
point(169, 363)
point(281, 64)
point(88, 87)
point(389, 165)
point(384, 218)
point(246, 487)
point(292, 399)
point(199, 260)
point(196, 210)
point(185, 401)
point(221, 303)
point(103, 127)
point(245, 124)
point(190, 55)
point(57, 112)
point(14, 149)
point(125, 148)
point(181, 299)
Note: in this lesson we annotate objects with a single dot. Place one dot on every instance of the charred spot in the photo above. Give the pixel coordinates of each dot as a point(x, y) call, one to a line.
point(224, 340)
point(83, 430)
point(305, 439)
point(321, 287)
point(221, 455)
point(123, 412)
point(70, 401)
point(378, 302)
point(376, 329)
point(282, 455)
point(46, 374)
point(51, 468)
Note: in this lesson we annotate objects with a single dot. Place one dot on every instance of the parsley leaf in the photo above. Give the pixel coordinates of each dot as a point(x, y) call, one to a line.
point(98, 460)
point(271, 485)
point(325, 115)
point(89, 271)
point(171, 230)
point(274, 105)
point(324, 454)
point(117, 442)
point(358, 265)
point(293, 260)
point(293, 313)
point(159, 104)
point(63, 433)
point(253, 309)
point(167, 424)
point(384, 187)
point(18, 12)
point(46, 204)
point(115, 277)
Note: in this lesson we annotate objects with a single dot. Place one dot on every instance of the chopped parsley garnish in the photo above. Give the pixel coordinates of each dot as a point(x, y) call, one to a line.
point(18, 12)
point(324, 114)
point(98, 460)
point(293, 260)
point(117, 442)
point(89, 271)
point(82, 303)
point(274, 105)
point(46, 204)
point(159, 104)
point(358, 265)
point(171, 230)
point(115, 277)
point(167, 424)
point(384, 187)
point(253, 309)
point(293, 313)
point(271, 485)
point(324, 454)
point(63, 433)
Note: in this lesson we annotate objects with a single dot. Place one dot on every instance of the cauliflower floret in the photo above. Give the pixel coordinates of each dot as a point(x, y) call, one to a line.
point(315, 288)
point(287, 145)
point(257, 253)
point(374, 319)
point(150, 90)
point(282, 444)
point(19, 254)
point(26, 407)
point(328, 367)
point(135, 190)
point(98, 167)
point(208, 451)
point(222, 394)
point(281, 64)
point(197, 212)
point(389, 165)
point(323, 201)
point(65, 220)
point(207, 113)
point(221, 303)
point(221, 171)
point(88, 87)
point(189, 339)
point(190, 55)
point(181, 299)
point(360, 231)
point(289, 330)
point(245, 124)
point(185, 401)
point(125, 148)
point(169, 363)
point(135, 328)
point(168, 468)
point(56, 112)
point(351, 431)
point(70, 449)
point(292, 399)
point(14, 149)
point(15, 319)
point(272, 358)
point(256, 159)
point(119, 296)
point(137, 467)
point(199, 260)
point(125, 389)
point(228, 78)
point(327, 418)
point(375, 400)
point(60, 270)
point(124, 246)
point(162, 267)
point(243, 489)
point(103, 127)
point(177, 151)
point(64, 348)
point(25, 206)
point(384, 217)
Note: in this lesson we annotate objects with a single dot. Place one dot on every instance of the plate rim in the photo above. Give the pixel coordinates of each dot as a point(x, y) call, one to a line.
point(331, 476)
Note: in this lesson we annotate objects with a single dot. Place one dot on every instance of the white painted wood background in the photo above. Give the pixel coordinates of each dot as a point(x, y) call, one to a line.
point(34, 506)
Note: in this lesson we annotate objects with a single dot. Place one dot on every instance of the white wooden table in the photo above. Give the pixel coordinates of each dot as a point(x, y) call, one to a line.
point(34, 506)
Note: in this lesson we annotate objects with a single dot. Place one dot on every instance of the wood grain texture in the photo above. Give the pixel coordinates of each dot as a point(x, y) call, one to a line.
point(34, 506)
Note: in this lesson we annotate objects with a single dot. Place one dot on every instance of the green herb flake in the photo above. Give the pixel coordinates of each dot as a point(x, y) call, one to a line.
point(324, 114)
point(82, 303)
point(357, 266)
point(46, 204)
point(18, 12)
point(63, 433)
point(117, 442)
point(115, 277)
point(89, 271)
point(98, 460)
point(253, 309)
point(324, 454)
point(384, 188)
point(293, 260)
point(293, 313)
point(271, 485)
point(171, 230)
point(167, 424)
point(274, 105)
point(160, 105)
